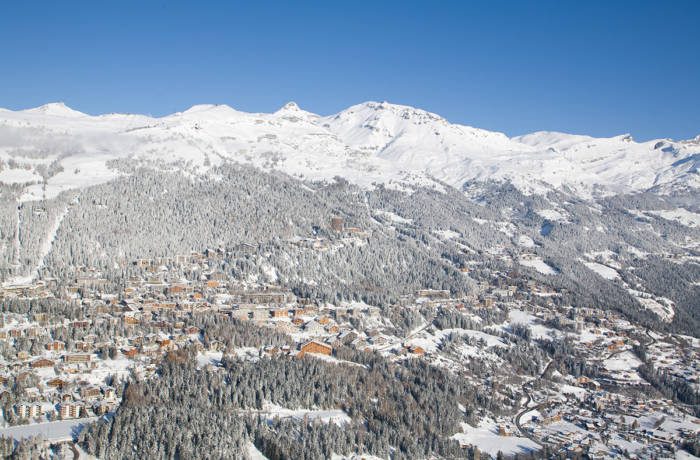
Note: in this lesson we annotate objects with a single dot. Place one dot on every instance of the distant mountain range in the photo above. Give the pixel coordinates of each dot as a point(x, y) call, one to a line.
point(52, 148)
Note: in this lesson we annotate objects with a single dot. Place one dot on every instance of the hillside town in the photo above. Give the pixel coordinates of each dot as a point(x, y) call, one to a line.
point(71, 364)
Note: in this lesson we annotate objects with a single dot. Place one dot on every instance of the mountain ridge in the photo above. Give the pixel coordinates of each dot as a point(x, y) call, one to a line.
point(368, 144)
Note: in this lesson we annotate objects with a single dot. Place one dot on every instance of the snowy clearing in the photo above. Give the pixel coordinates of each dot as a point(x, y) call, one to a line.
point(551, 214)
point(680, 215)
point(18, 176)
point(603, 270)
point(525, 241)
point(539, 265)
point(622, 362)
point(62, 430)
point(336, 416)
point(486, 438)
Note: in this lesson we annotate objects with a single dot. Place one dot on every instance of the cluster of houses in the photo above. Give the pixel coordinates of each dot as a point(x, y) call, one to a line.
point(601, 423)
point(75, 371)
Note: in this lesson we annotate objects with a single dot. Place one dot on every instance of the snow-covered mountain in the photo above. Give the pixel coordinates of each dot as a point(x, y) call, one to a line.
point(52, 148)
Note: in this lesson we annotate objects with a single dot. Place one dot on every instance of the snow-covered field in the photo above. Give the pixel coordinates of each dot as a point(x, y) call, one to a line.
point(622, 362)
point(663, 310)
point(539, 331)
point(603, 270)
point(336, 416)
point(538, 264)
point(254, 453)
point(681, 215)
point(487, 439)
point(62, 430)
point(551, 214)
point(18, 176)
point(525, 241)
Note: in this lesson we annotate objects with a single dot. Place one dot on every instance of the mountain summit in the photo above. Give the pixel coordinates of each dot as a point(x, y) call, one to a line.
point(368, 143)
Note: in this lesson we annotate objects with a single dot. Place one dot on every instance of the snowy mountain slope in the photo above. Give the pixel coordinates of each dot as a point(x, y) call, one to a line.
point(53, 148)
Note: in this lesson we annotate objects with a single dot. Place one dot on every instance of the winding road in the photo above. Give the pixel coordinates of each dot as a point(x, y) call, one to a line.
point(526, 409)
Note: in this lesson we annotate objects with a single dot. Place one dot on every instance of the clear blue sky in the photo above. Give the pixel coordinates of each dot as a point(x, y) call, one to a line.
point(594, 67)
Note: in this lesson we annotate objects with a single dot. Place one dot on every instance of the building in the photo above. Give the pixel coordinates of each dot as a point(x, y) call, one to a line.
point(90, 391)
point(56, 345)
point(337, 223)
point(316, 347)
point(433, 294)
point(56, 383)
point(70, 410)
point(77, 358)
point(279, 313)
point(83, 346)
point(130, 352)
point(41, 362)
point(28, 410)
point(416, 350)
point(109, 392)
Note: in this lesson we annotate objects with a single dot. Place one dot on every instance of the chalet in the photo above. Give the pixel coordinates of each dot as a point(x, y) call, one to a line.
point(416, 350)
point(144, 263)
point(504, 430)
point(131, 320)
point(212, 284)
point(585, 382)
point(89, 392)
point(347, 337)
point(279, 313)
point(177, 289)
point(56, 383)
point(109, 392)
point(41, 362)
point(192, 330)
point(337, 223)
point(77, 358)
point(130, 353)
point(487, 302)
point(433, 294)
point(83, 346)
point(316, 347)
point(551, 419)
point(103, 407)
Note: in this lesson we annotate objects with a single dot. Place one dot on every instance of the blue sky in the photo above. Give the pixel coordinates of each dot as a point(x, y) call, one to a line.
point(593, 67)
